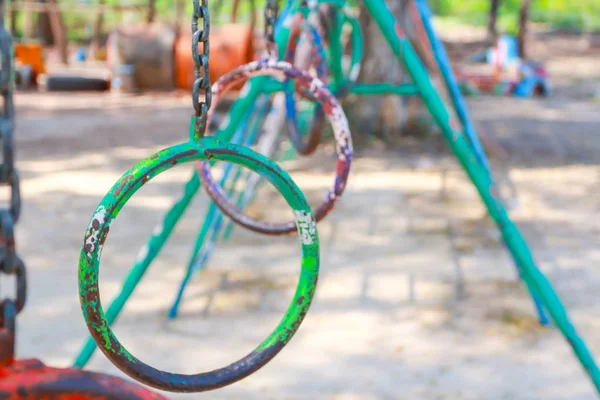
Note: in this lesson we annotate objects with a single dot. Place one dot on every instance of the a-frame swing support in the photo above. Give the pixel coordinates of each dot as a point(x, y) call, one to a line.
point(446, 72)
point(536, 282)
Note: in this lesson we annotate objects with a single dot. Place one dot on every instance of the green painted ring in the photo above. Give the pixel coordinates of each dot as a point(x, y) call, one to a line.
point(115, 200)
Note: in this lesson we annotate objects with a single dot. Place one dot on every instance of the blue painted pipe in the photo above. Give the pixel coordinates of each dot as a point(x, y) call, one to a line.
point(443, 62)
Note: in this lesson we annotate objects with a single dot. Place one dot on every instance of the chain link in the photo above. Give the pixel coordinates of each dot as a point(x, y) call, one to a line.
point(271, 11)
point(202, 84)
point(10, 263)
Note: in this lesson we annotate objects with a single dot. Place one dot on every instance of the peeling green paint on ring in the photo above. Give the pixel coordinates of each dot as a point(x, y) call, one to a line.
point(115, 200)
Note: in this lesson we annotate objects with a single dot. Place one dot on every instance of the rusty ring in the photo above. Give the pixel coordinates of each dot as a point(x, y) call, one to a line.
point(337, 119)
point(317, 59)
point(96, 234)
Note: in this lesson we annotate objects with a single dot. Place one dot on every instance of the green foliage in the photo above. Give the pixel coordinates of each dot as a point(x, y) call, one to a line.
point(80, 23)
point(578, 15)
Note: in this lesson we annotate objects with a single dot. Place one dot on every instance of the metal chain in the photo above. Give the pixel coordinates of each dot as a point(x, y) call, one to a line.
point(271, 11)
point(10, 263)
point(201, 71)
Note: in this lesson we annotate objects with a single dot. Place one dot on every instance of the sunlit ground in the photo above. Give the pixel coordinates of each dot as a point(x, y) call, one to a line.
point(418, 299)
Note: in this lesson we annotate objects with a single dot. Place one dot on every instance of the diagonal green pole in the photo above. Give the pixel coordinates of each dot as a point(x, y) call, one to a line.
point(443, 61)
point(212, 222)
point(445, 69)
point(241, 108)
point(269, 146)
point(161, 234)
point(535, 280)
point(145, 257)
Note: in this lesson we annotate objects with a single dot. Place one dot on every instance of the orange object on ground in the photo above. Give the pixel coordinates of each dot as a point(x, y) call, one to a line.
point(230, 46)
point(31, 54)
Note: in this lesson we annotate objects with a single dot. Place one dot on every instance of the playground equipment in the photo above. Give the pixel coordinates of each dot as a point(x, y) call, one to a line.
point(440, 63)
point(338, 121)
point(202, 148)
point(232, 45)
point(211, 230)
point(461, 140)
point(31, 379)
point(511, 75)
point(272, 121)
point(316, 58)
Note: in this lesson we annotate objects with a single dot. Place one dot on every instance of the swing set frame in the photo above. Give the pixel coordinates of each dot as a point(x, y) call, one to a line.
point(458, 132)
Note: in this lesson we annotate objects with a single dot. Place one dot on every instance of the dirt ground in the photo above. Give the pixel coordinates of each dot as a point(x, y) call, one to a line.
point(417, 299)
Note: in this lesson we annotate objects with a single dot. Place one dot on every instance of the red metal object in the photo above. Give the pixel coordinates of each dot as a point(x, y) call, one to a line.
point(32, 380)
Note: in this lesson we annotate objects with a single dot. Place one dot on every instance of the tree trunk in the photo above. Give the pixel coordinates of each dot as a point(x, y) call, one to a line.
point(151, 11)
point(492, 31)
point(13, 22)
point(179, 13)
point(386, 116)
point(44, 28)
point(59, 31)
point(522, 35)
point(28, 26)
point(234, 11)
point(98, 28)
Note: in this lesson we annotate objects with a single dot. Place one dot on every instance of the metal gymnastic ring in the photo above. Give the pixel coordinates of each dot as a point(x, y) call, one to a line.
point(113, 202)
point(318, 60)
point(337, 119)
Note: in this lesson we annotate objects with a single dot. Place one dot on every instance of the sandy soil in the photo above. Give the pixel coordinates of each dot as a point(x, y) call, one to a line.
point(418, 299)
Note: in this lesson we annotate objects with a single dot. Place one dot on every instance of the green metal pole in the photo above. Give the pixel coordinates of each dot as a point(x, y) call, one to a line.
point(336, 52)
point(375, 89)
point(151, 250)
point(537, 283)
point(238, 111)
point(213, 220)
point(145, 258)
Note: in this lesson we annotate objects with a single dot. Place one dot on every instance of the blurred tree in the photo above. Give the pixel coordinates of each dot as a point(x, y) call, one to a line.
point(13, 22)
point(522, 34)
point(59, 31)
point(98, 27)
point(386, 116)
point(179, 13)
point(28, 26)
point(51, 29)
point(492, 30)
point(151, 11)
point(43, 28)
